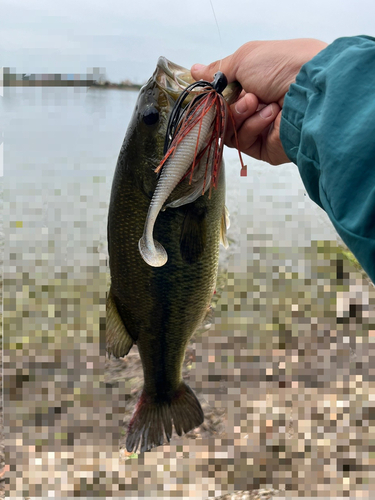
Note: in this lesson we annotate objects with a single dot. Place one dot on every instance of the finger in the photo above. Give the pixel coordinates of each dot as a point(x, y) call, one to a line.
point(255, 125)
point(253, 132)
point(273, 151)
point(226, 66)
point(240, 111)
point(267, 145)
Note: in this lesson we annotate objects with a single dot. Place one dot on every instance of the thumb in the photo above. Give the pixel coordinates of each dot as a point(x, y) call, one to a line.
point(201, 72)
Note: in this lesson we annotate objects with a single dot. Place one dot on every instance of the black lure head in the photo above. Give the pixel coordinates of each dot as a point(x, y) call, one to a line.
point(218, 84)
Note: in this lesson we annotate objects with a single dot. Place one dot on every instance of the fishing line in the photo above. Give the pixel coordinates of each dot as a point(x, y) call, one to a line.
point(243, 167)
point(218, 30)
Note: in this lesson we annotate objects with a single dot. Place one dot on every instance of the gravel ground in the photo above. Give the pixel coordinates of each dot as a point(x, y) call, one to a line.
point(285, 377)
point(3, 469)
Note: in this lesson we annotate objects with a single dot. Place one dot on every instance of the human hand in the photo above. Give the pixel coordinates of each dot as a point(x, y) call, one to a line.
point(265, 70)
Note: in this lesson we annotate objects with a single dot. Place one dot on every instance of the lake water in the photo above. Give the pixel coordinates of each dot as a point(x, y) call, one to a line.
point(60, 149)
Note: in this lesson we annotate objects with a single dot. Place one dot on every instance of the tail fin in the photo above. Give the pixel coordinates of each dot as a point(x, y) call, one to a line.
point(151, 417)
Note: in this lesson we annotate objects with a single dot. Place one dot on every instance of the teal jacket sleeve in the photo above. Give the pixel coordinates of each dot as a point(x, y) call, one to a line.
point(328, 130)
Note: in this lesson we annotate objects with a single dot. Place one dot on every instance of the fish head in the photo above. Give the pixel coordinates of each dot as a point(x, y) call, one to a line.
point(148, 127)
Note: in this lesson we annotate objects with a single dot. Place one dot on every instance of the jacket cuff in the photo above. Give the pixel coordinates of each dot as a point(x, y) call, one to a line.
point(294, 108)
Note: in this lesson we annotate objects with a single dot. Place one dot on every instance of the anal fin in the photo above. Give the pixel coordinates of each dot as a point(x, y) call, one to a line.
point(118, 340)
point(208, 318)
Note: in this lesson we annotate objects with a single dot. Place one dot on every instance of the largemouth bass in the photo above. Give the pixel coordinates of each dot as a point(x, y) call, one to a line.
point(159, 308)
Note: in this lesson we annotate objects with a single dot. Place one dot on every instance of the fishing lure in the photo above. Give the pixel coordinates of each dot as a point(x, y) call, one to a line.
point(183, 119)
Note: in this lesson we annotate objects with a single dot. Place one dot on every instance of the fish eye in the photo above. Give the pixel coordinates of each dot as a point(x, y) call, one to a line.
point(150, 115)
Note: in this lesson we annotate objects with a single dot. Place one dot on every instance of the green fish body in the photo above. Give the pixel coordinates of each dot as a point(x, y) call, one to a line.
point(159, 308)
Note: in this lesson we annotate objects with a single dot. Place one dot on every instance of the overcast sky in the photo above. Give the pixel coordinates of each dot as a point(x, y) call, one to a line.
point(126, 37)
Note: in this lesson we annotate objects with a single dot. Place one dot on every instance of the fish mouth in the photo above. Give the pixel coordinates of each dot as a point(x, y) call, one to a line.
point(173, 79)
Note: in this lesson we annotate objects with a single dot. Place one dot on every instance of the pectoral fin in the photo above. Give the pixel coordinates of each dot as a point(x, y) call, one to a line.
point(118, 339)
point(224, 226)
point(208, 318)
point(193, 235)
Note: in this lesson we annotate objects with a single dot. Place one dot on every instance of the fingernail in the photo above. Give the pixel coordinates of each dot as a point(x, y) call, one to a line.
point(267, 111)
point(198, 67)
point(241, 106)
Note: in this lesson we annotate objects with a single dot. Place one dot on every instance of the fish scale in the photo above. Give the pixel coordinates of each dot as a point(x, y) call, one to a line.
point(159, 308)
